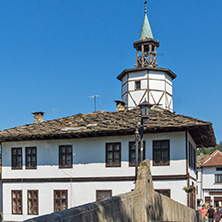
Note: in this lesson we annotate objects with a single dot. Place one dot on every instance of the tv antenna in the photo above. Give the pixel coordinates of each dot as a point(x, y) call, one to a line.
point(94, 97)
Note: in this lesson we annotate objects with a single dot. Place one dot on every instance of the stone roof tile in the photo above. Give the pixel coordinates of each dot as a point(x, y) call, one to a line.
point(110, 124)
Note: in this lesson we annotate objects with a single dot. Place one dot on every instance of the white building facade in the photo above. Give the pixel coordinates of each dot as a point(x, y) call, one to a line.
point(41, 176)
point(210, 180)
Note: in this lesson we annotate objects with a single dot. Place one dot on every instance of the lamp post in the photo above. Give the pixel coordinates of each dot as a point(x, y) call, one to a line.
point(145, 111)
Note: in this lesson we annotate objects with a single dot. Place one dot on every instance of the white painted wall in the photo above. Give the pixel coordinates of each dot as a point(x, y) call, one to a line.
point(151, 83)
point(78, 194)
point(207, 182)
point(89, 161)
point(176, 191)
point(209, 178)
point(199, 184)
point(94, 164)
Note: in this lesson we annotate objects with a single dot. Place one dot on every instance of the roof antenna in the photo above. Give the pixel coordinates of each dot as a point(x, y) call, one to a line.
point(94, 96)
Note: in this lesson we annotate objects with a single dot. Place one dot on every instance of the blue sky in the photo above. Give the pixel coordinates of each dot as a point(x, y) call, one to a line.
point(54, 54)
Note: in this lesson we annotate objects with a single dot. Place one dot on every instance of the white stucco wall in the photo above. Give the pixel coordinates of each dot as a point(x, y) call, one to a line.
point(89, 157)
point(158, 86)
point(176, 191)
point(209, 178)
point(199, 184)
point(78, 194)
point(88, 161)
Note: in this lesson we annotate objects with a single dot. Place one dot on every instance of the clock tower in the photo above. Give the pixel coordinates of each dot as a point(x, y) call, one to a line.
point(147, 82)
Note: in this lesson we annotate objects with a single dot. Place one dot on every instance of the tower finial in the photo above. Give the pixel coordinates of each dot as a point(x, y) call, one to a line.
point(145, 7)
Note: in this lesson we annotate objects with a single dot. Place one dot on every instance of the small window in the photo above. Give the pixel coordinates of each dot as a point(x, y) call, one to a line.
point(65, 156)
point(31, 157)
point(161, 152)
point(60, 200)
point(137, 84)
point(33, 202)
point(164, 192)
point(16, 158)
point(113, 154)
point(218, 178)
point(132, 153)
point(103, 194)
point(219, 168)
point(16, 202)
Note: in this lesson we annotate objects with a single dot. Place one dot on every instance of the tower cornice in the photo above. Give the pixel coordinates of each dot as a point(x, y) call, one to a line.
point(168, 71)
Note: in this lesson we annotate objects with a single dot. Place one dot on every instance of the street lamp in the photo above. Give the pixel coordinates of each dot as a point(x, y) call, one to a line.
point(145, 111)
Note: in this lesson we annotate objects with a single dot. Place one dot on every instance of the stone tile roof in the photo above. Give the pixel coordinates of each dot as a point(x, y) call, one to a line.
point(200, 159)
point(215, 159)
point(110, 124)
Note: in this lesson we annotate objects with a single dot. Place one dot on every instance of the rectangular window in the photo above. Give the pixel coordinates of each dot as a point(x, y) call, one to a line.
point(132, 153)
point(137, 85)
point(219, 168)
point(16, 202)
point(113, 154)
point(164, 192)
point(103, 194)
point(192, 157)
point(33, 202)
point(31, 157)
point(16, 158)
point(161, 152)
point(65, 156)
point(60, 200)
point(218, 178)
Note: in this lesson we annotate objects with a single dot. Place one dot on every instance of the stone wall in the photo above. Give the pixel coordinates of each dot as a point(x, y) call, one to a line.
point(141, 205)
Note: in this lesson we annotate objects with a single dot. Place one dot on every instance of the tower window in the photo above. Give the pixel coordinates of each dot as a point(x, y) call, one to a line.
point(137, 85)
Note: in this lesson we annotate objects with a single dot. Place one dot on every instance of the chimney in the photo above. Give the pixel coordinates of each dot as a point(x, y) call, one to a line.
point(120, 106)
point(38, 117)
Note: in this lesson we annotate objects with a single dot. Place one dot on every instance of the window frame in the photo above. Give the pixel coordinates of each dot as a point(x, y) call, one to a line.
point(32, 201)
point(164, 190)
point(192, 157)
point(66, 153)
point(113, 162)
point(17, 191)
point(130, 152)
point(161, 164)
point(137, 81)
point(97, 194)
point(215, 180)
point(12, 155)
point(26, 157)
point(60, 199)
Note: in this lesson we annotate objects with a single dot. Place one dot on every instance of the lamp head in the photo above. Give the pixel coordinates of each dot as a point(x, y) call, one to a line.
point(145, 109)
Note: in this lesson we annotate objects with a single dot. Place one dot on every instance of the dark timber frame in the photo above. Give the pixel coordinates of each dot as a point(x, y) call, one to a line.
point(32, 200)
point(113, 151)
point(161, 149)
point(67, 154)
point(60, 199)
point(15, 157)
point(18, 200)
point(30, 153)
point(98, 191)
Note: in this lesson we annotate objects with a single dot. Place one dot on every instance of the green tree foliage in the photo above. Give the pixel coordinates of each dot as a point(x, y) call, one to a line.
point(209, 150)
